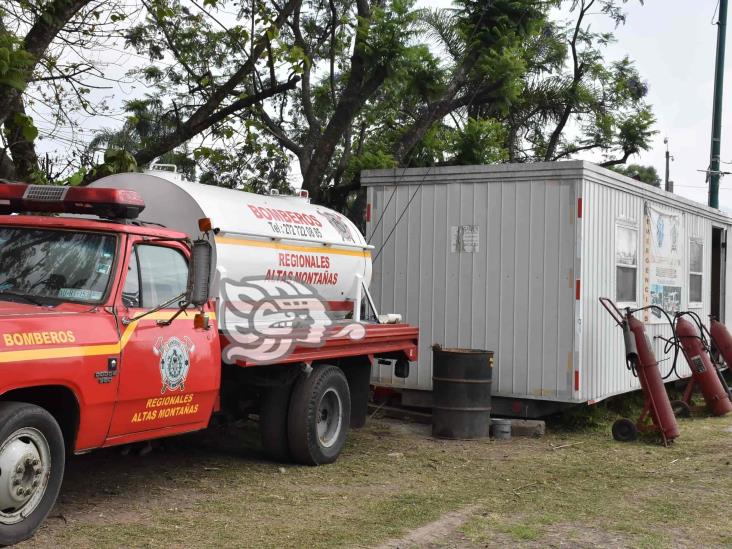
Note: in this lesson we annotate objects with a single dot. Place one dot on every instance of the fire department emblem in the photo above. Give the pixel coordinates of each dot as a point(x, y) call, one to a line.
point(175, 360)
point(337, 223)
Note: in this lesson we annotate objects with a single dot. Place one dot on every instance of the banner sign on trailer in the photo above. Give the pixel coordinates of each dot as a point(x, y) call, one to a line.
point(662, 272)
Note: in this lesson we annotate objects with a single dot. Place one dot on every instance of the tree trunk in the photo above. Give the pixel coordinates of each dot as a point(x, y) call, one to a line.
point(363, 81)
point(23, 151)
point(7, 170)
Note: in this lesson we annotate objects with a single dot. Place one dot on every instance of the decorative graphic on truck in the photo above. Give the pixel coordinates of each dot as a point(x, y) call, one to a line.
point(174, 362)
point(267, 319)
point(339, 225)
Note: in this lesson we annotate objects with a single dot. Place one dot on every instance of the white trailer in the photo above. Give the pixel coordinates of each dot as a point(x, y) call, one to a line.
point(513, 258)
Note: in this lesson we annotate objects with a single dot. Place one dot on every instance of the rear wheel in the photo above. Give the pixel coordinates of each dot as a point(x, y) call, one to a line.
point(32, 459)
point(273, 422)
point(625, 430)
point(319, 416)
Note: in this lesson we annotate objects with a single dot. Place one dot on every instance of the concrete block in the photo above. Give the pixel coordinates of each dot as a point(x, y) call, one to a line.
point(532, 428)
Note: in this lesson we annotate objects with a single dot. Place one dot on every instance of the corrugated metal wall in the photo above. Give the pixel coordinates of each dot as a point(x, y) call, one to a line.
point(515, 296)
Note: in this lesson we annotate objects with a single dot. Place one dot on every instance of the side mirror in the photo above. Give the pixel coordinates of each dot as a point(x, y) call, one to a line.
point(199, 273)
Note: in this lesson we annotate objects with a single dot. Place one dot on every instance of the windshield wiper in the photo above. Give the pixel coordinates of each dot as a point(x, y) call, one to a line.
point(29, 299)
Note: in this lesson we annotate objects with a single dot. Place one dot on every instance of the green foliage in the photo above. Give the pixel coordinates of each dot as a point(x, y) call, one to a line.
point(385, 38)
point(147, 122)
point(115, 161)
point(369, 160)
point(15, 63)
point(245, 168)
point(480, 142)
point(26, 126)
point(565, 108)
point(644, 174)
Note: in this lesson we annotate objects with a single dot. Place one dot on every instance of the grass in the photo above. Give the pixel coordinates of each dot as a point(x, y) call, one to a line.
point(214, 490)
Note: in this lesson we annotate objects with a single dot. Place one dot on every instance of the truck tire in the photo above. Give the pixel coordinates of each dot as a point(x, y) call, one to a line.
point(32, 457)
point(273, 410)
point(624, 430)
point(319, 416)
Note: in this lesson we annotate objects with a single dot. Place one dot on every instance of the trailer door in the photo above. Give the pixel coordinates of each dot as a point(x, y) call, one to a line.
point(719, 268)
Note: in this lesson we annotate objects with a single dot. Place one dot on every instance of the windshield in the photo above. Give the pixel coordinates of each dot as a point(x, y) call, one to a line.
point(43, 266)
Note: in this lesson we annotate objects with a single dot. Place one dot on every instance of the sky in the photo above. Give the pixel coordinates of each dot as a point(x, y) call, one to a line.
point(673, 44)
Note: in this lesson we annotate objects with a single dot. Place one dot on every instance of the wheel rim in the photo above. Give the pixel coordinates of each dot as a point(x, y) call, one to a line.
point(25, 467)
point(330, 418)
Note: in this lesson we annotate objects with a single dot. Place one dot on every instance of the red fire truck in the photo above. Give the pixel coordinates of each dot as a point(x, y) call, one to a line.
point(140, 306)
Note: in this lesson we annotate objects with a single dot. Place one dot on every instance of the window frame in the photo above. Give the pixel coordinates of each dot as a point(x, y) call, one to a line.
point(167, 244)
point(696, 304)
point(627, 225)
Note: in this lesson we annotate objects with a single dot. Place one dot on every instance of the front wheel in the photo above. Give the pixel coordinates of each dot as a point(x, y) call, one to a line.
point(319, 416)
point(32, 459)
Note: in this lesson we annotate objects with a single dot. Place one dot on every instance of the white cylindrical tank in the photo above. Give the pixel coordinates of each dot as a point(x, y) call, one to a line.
point(259, 236)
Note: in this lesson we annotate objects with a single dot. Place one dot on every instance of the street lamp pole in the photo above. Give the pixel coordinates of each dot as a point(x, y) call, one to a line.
point(669, 184)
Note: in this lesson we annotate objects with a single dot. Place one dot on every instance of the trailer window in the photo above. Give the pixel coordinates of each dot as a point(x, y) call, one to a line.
point(156, 275)
point(696, 267)
point(626, 264)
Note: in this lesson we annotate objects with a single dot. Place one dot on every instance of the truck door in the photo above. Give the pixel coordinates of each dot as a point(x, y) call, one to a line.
point(169, 371)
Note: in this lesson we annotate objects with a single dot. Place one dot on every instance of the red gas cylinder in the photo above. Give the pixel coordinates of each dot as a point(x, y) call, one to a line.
point(722, 340)
point(657, 401)
point(703, 371)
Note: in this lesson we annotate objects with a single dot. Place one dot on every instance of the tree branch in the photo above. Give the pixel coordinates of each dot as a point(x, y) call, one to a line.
point(278, 133)
point(45, 29)
point(626, 154)
point(577, 75)
point(188, 130)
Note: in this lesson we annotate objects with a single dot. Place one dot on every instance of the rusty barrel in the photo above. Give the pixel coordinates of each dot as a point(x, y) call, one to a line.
point(461, 389)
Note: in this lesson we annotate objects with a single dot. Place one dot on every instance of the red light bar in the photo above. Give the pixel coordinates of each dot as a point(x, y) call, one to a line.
point(108, 203)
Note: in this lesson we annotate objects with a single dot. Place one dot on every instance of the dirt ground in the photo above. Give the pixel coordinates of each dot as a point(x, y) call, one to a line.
point(395, 487)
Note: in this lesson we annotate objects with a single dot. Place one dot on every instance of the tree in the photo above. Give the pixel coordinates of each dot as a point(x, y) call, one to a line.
point(20, 56)
point(595, 105)
point(385, 103)
point(484, 40)
point(248, 94)
point(319, 126)
point(208, 85)
point(197, 98)
point(49, 61)
point(644, 174)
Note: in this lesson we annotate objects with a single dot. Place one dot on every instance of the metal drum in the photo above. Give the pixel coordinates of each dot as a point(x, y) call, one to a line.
point(462, 393)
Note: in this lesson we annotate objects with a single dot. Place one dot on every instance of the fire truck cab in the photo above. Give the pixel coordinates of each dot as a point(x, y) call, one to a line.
point(116, 307)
